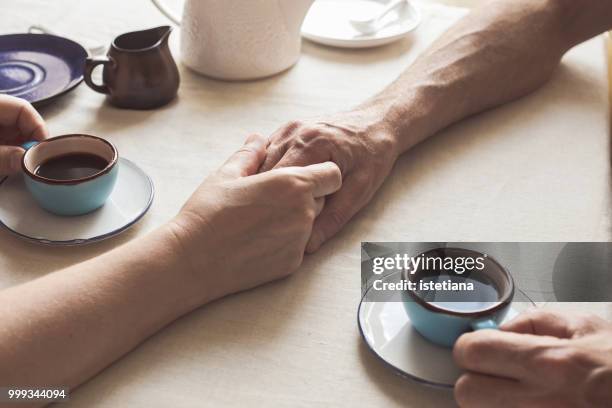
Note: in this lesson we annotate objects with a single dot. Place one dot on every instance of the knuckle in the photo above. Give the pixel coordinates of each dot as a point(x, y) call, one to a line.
point(473, 347)
point(303, 214)
point(536, 317)
point(285, 132)
point(463, 390)
point(309, 133)
point(468, 348)
point(322, 142)
point(542, 314)
point(563, 363)
point(292, 188)
point(311, 137)
point(309, 214)
point(591, 321)
point(293, 125)
point(299, 143)
point(291, 181)
point(299, 187)
point(591, 318)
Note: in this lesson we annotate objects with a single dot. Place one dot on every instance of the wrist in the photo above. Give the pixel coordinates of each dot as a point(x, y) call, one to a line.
point(372, 122)
point(406, 117)
point(175, 242)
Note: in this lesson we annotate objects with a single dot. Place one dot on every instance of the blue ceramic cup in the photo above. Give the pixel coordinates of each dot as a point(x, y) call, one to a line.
point(442, 316)
point(73, 196)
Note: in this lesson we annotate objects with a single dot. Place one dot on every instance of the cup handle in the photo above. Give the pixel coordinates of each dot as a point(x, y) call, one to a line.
point(166, 11)
point(483, 324)
point(28, 145)
point(90, 65)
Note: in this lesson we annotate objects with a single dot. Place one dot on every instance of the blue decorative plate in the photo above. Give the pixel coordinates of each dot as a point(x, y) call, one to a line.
point(39, 67)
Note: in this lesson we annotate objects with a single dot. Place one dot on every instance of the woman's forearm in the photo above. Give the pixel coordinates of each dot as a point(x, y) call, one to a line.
point(501, 51)
point(65, 327)
point(237, 231)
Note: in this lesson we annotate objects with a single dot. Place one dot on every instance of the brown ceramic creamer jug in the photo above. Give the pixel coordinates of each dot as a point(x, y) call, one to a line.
point(139, 71)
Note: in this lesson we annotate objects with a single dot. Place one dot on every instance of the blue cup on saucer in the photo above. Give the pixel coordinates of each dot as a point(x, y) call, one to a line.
point(70, 174)
point(442, 307)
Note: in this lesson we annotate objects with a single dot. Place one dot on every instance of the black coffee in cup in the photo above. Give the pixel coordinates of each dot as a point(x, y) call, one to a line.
point(72, 166)
point(456, 290)
point(465, 289)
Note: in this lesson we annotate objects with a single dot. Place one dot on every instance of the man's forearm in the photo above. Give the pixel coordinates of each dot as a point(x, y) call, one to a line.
point(500, 52)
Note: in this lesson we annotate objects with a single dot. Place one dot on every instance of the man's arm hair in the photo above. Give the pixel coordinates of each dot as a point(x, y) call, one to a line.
point(501, 51)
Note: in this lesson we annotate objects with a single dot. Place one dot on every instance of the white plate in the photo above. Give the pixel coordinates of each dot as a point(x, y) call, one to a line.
point(130, 200)
point(387, 331)
point(328, 23)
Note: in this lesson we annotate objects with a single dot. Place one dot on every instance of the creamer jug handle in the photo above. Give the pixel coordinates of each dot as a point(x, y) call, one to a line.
point(166, 11)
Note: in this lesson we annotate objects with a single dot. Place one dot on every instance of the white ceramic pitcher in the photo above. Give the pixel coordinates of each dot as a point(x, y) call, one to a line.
point(240, 39)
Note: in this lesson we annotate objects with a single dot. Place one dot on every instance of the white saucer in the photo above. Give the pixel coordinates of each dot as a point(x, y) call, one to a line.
point(128, 203)
point(387, 331)
point(327, 23)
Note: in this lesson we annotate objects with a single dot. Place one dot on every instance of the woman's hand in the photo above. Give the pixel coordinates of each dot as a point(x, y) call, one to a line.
point(241, 229)
point(237, 231)
point(540, 359)
point(19, 123)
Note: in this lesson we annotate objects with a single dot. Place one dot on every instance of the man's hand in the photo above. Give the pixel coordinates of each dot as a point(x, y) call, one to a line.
point(19, 123)
point(540, 359)
point(364, 150)
point(499, 53)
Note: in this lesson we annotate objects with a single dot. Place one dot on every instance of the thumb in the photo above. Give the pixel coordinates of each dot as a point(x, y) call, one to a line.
point(246, 161)
point(10, 159)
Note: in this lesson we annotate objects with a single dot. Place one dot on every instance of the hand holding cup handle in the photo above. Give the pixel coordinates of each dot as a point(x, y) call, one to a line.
point(443, 325)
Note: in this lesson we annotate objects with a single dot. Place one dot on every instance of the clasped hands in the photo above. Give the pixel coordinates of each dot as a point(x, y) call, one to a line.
point(278, 197)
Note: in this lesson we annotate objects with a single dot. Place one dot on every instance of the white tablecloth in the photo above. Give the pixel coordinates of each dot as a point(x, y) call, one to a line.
point(537, 169)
